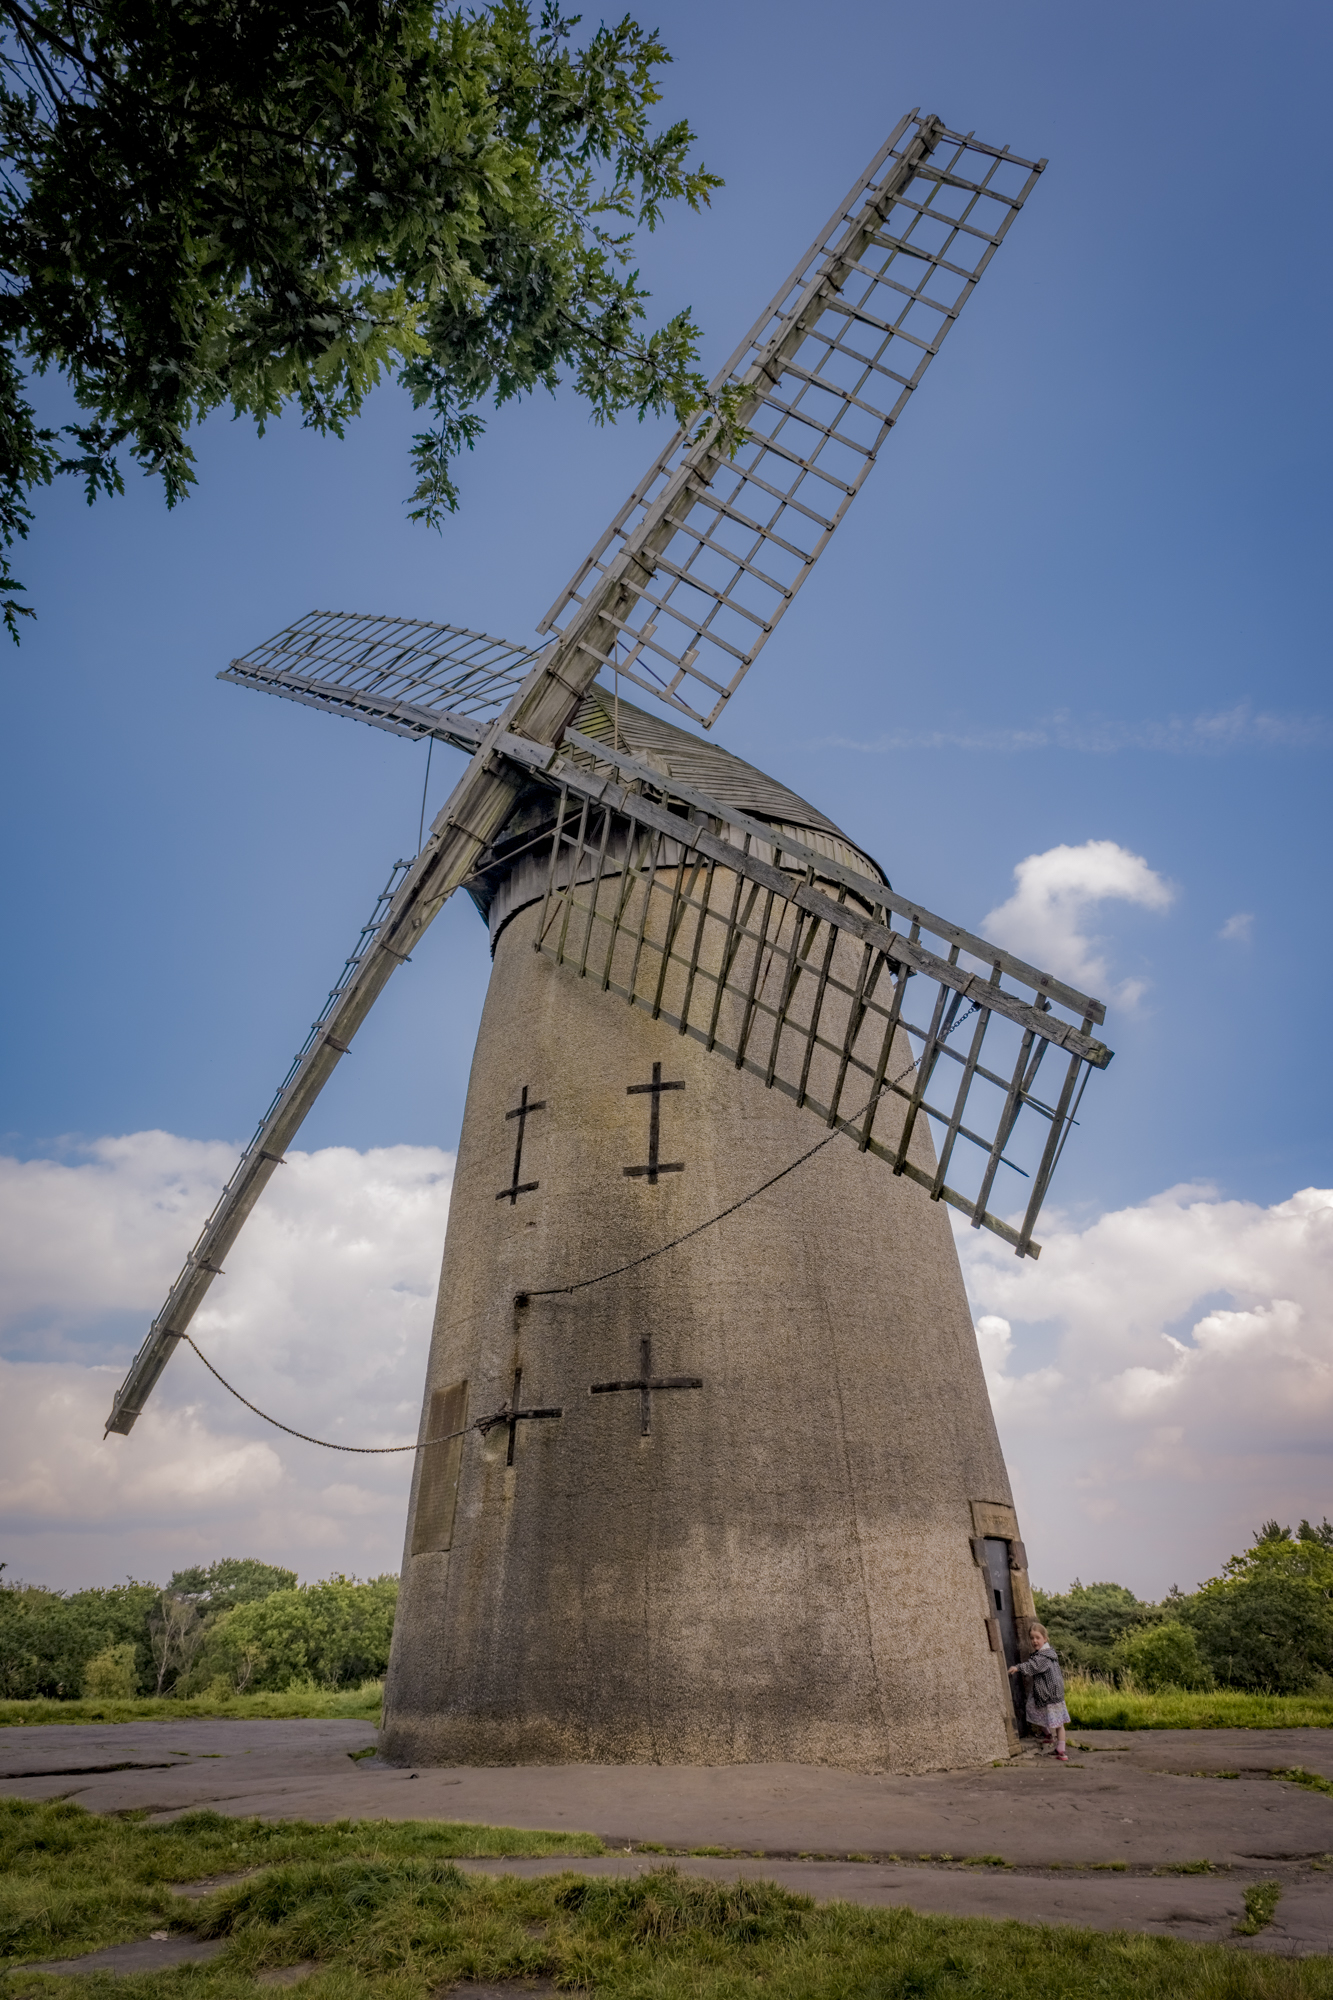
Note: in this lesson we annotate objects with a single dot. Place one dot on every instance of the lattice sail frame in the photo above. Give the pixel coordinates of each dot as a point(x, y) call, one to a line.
point(831, 364)
point(789, 964)
point(401, 674)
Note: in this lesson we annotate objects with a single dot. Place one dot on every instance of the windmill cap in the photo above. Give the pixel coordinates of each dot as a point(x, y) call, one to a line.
point(503, 889)
point(695, 761)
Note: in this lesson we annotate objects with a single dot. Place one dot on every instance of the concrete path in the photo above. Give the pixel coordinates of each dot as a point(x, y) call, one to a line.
point(1100, 1841)
point(150, 1954)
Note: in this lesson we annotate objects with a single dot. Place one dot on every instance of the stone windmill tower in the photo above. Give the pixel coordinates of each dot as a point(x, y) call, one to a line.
point(707, 1469)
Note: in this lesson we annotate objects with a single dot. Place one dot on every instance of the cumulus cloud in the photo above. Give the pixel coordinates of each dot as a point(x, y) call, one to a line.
point(1238, 929)
point(322, 1319)
point(1163, 1380)
point(1043, 921)
point(104, 1229)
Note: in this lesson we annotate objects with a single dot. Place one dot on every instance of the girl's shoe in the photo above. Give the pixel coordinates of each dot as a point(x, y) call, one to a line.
point(1063, 1756)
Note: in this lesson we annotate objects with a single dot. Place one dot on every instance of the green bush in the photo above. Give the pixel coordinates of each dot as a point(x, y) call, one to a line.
point(237, 1621)
point(47, 1638)
point(336, 1634)
point(1265, 1625)
point(111, 1674)
point(1162, 1656)
point(1267, 1622)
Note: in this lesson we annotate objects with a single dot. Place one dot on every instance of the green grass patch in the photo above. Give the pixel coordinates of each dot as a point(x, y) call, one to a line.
point(1310, 1779)
point(1094, 1705)
point(71, 1880)
point(1261, 1901)
point(387, 1915)
point(360, 1704)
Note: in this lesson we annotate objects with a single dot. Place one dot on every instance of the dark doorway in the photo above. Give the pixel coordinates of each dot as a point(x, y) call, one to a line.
point(1002, 1610)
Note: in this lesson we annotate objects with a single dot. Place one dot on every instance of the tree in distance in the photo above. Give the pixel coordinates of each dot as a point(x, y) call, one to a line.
point(266, 203)
point(228, 1626)
point(1264, 1625)
point(1267, 1621)
point(231, 1580)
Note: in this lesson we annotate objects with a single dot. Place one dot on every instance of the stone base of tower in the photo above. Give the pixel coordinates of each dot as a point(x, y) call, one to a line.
point(775, 1565)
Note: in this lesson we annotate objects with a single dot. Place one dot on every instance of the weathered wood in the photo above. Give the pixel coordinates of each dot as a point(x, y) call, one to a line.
point(924, 1065)
point(971, 985)
point(885, 1053)
point(698, 940)
point(950, 1196)
point(748, 1016)
point(647, 878)
point(871, 891)
point(960, 1099)
point(549, 698)
point(816, 1007)
point(596, 889)
point(574, 875)
point(473, 815)
point(1054, 1137)
point(670, 930)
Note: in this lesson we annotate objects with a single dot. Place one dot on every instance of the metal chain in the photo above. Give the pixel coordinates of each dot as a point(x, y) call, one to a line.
point(482, 1424)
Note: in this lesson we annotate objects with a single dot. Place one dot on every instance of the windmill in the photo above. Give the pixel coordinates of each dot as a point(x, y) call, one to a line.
point(707, 1470)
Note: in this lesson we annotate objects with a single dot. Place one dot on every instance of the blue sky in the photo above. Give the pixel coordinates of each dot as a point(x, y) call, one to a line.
point(1083, 598)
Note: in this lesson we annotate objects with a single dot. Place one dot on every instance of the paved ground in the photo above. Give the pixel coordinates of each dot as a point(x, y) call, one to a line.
point(1101, 1841)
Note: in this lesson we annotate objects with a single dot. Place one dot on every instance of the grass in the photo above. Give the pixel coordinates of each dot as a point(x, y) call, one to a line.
point(361, 1704)
point(1094, 1705)
point(1310, 1779)
point(1261, 1901)
point(387, 1915)
point(72, 1880)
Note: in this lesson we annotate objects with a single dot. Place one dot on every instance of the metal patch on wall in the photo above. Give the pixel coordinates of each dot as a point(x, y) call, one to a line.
point(441, 1462)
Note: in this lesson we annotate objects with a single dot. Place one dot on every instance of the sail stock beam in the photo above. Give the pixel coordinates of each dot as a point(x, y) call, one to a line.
point(400, 718)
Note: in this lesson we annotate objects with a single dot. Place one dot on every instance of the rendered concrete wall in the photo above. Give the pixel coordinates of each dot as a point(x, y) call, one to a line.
point(781, 1569)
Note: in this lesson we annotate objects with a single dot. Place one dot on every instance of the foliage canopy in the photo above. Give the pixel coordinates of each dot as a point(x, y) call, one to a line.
point(270, 202)
point(236, 1623)
point(231, 1580)
point(1267, 1621)
point(1264, 1625)
point(1087, 1620)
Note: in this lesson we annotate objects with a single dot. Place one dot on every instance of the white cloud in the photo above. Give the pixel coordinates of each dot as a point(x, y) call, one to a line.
point(1043, 920)
point(106, 1230)
point(1163, 1377)
point(1163, 1381)
point(1238, 929)
point(323, 1319)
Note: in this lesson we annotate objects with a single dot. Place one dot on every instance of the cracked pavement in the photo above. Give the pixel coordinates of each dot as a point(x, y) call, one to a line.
point(1099, 1842)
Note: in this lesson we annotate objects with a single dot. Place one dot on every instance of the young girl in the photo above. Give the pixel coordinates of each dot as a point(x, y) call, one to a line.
point(1046, 1690)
